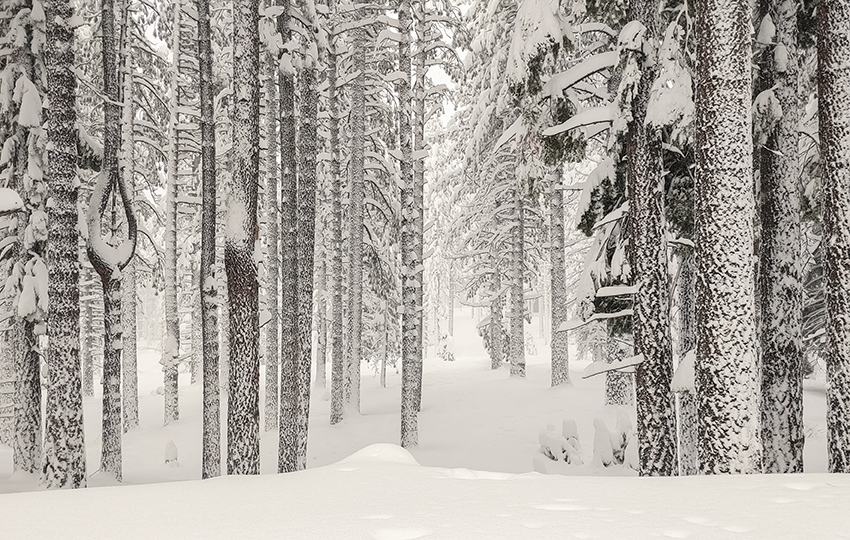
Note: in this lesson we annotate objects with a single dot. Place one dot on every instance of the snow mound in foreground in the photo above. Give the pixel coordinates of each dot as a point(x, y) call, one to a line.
point(381, 453)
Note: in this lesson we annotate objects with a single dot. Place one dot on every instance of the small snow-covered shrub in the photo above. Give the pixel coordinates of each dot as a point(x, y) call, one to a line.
point(562, 446)
point(615, 448)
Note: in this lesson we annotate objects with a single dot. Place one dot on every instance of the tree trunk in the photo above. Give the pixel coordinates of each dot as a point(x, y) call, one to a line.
point(273, 267)
point(64, 459)
point(517, 301)
point(497, 300)
point(87, 348)
point(355, 235)
point(288, 434)
point(834, 116)
point(171, 352)
point(688, 419)
point(418, 158)
point(558, 280)
point(411, 341)
point(337, 366)
point(727, 369)
point(648, 260)
point(305, 242)
point(781, 265)
point(211, 455)
point(322, 327)
point(243, 410)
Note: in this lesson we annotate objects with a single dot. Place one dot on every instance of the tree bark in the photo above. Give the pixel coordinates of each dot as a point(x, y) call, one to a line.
point(727, 368)
point(64, 458)
point(780, 267)
point(497, 302)
point(517, 284)
point(243, 411)
point(558, 280)
point(273, 266)
point(211, 454)
point(834, 116)
point(688, 419)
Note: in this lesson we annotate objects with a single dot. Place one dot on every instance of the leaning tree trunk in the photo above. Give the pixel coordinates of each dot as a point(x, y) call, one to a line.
point(355, 234)
point(727, 369)
point(305, 242)
point(288, 433)
point(211, 454)
point(558, 280)
point(171, 352)
point(64, 459)
point(834, 116)
point(780, 266)
point(411, 351)
point(517, 301)
point(272, 274)
point(648, 260)
point(243, 409)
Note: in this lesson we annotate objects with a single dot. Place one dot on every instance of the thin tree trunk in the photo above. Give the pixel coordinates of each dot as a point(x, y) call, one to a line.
point(688, 419)
point(322, 328)
point(781, 265)
point(171, 352)
point(418, 159)
point(243, 410)
point(288, 434)
point(273, 267)
point(87, 345)
point(727, 370)
point(517, 301)
point(411, 342)
point(834, 116)
point(355, 235)
point(558, 280)
point(386, 347)
point(497, 300)
point(211, 455)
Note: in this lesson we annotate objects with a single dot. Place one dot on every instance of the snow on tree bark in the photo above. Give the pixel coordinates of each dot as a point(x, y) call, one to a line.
point(411, 351)
point(87, 349)
point(322, 327)
point(171, 352)
point(517, 299)
point(357, 126)
point(273, 270)
point(211, 454)
point(688, 420)
point(834, 116)
point(497, 302)
point(307, 146)
point(64, 457)
point(648, 261)
point(287, 444)
point(727, 370)
point(558, 279)
point(619, 387)
point(781, 298)
point(419, 151)
point(243, 412)
point(337, 366)
point(129, 379)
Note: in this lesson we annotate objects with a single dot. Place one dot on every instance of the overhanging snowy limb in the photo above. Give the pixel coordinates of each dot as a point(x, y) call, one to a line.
point(587, 117)
point(626, 365)
point(577, 323)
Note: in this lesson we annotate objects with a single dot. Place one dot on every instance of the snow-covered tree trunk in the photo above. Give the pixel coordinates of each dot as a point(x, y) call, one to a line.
point(497, 302)
point(171, 351)
point(337, 366)
point(648, 261)
point(418, 158)
point(727, 370)
point(273, 266)
point(357, 127)
point(211, 454)
point(243, 408)
point(27, 438)
point(307, 146)
point(385, 348)
point(619, 387)
point(411, 350)
point(289, 272)
point(64, 458)
point(87, 344)
point(517, 351)
point(558, 280)
point(688, 421)
point(322, 327)
point(130, 378)
point(780, 265)
point(834, 117)
point(197, 323)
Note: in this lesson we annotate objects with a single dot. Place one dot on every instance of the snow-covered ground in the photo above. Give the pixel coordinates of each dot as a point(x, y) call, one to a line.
point(473, 419)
